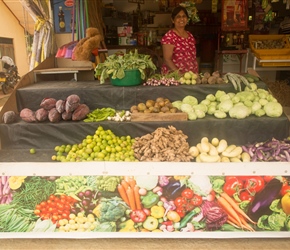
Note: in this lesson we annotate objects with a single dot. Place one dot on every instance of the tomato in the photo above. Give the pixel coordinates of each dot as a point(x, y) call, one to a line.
point(37, 212)
point(254, 184)
point(196, 200)
point(246, 196)
point(232, 185)
point(43, 204)
point(52, 197)
point(267, 178)
point(181, 211)
point(284, 190)
point(180, 201)
point(55, 217)
point(187, 193)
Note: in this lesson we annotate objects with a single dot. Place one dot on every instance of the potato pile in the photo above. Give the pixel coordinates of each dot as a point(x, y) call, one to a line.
point(160, 105)
point(56, 110)
point(216, 150)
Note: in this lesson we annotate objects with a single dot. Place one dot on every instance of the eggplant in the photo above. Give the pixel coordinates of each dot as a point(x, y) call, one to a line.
point(173, 189)
point(262, 201)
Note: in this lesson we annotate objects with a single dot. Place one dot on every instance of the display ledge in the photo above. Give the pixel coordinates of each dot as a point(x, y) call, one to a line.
point(143, 168)
point(98, 235)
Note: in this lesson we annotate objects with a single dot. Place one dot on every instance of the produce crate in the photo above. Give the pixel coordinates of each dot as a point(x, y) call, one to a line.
point(253, 39)
point(284, 61)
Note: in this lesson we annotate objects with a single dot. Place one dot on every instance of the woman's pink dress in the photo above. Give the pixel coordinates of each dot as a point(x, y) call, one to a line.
point(184, 52)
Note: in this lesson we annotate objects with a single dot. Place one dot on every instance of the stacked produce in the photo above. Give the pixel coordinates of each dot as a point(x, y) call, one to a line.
point(104, 145)
point(159, 105)
point(56, 110)
point(162, 145)
point(251, 101)
point(218, 151)
point(192, 203)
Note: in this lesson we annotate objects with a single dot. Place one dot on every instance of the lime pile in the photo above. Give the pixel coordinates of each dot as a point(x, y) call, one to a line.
point(104, 145)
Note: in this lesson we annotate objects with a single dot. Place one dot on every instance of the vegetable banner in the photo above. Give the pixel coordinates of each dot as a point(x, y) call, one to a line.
point(191, 203)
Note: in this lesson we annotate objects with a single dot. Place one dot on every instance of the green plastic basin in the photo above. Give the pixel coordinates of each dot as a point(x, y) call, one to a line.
point(132, 78)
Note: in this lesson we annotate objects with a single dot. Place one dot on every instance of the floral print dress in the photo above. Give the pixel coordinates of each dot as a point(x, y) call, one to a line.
point(184, 52)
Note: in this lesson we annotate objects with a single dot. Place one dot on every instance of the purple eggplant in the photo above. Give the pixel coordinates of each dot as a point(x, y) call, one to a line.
point(262, 201)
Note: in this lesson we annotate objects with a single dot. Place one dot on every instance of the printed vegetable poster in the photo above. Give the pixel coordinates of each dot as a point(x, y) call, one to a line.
point(137, 204)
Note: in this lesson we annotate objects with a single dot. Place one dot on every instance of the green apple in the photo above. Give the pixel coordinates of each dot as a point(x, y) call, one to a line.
point(193, 76)
point(193, 81)
point(187, 76)
point(182, 80)
point(188, 82)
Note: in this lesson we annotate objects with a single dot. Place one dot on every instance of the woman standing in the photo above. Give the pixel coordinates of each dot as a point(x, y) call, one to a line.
point(178, 45)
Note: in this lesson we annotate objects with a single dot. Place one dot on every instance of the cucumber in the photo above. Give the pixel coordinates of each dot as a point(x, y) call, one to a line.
point(250, 79)
point(254, 78)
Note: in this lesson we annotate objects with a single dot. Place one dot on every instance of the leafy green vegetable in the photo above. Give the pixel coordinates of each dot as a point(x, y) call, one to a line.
point(115, 65)
point(276, 221)
point(33, 191)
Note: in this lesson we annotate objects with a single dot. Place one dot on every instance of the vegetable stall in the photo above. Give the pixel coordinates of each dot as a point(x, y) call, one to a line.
point(70, 168)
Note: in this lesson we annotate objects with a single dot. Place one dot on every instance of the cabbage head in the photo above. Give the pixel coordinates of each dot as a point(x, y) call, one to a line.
point(190, 100)
point(273, 109)
point(186, 108)
point(226, 105)
point(192, 116)
point(239, 112)
point(220, 114)
point(177, 104)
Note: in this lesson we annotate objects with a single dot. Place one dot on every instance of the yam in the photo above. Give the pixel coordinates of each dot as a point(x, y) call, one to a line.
point(48, 103)
point(81, 112)
point(60, 106)
point(71, 103)
point(54, 116)
point(66, 116)
point(41, 115)
point(27, 115)
point(9, 117)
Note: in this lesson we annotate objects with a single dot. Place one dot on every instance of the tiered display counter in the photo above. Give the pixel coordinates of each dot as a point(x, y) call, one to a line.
point(19, 137)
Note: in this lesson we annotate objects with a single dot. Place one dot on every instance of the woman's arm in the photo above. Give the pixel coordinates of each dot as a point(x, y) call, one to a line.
point(167, 56)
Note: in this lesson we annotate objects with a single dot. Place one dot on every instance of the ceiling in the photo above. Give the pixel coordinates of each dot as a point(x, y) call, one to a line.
point(25, 20)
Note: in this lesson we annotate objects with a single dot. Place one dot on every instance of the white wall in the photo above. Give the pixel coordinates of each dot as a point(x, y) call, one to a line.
point(10, 28)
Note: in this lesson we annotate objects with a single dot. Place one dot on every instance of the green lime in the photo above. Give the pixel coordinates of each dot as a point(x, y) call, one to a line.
point(32, 151)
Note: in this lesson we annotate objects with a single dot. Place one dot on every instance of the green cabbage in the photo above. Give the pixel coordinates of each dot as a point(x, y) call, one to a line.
point(273, 109)
point(190, 100)
point(239, 112)
point(226, 105)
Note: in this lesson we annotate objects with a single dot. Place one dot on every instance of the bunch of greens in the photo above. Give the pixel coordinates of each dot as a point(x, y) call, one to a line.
point(115, 65)
point(277, 221)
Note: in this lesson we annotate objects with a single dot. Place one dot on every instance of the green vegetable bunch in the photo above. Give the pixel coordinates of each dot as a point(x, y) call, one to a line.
point(277, 221)
point(110, 209)
point(107, 183)
point(115, 65)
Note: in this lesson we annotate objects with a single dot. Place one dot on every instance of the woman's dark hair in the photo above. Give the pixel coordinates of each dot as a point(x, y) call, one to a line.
point(176, 10)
